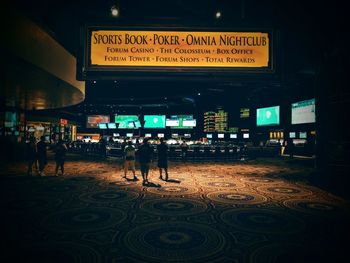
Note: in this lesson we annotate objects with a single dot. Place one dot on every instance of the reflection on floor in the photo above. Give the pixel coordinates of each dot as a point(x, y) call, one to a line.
point(257, 211)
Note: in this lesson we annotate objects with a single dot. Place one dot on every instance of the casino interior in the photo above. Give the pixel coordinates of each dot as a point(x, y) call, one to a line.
point(256, 90)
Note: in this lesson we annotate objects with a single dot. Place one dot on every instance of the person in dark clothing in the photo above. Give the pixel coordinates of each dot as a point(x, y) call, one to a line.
point(184, 149)
point(290, 148)
point(42, 155)
point(122, 147)
point(145, 153)
point(103, 147)
point(60, 154)
point(31, 156)
point(162, 150)
point(129, 159)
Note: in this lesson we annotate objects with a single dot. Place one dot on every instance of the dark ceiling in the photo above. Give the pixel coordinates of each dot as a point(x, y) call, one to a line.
point(306, 31)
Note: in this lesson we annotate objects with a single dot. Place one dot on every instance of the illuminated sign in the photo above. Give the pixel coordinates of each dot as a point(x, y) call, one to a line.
point(63, 121)
point(94, 120)
point(118, 48)
point(244, 113)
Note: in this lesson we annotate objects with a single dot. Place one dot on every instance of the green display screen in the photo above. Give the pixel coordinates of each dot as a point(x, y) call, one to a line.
point(127, 121)
point(154, 121)
point(183, 120)
point(268, 116)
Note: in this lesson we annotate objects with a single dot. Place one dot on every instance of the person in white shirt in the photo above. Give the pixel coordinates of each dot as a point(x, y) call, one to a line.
point(129, 159)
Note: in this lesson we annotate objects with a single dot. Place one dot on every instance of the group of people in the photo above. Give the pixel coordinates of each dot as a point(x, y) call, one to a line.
point(37, 156)
point(145, 155)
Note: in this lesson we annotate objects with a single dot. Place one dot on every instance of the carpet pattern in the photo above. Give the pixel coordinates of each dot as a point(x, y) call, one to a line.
point(257, 211)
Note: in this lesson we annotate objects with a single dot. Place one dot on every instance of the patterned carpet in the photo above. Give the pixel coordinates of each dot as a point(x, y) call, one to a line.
point(256, 211)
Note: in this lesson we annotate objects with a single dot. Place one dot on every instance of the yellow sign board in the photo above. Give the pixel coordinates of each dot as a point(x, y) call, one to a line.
point(179, 49)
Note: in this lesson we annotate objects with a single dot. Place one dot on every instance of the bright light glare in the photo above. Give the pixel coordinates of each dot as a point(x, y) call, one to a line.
point(114, 11)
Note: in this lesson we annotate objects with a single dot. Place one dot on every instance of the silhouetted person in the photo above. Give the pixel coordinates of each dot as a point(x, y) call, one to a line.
point(60, 156)
point(137, 142)
point(290, 147)
point(129, 159)
point(184, 149)
point(162, 150)
point(31, 153)
point(123, 145)
point(145, 153)
point(42, 154)
point(103, 147)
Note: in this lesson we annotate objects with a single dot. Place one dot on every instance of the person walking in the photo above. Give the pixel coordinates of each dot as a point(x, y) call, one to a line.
point(184, 149)
point(31, 156)
point(145, 153)
point(42, 155)
point(60, 154)
point(129, 159)
point(162, 150)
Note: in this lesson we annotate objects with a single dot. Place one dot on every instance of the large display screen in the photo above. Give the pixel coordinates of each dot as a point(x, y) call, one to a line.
point(92, 121)
point(221, 135)
point(184, 121)
point(303, 112)
point(154, 121)
point(127, 121)
point(268, 116)
point(233, 136)
point(189, 123)
point(172, 122)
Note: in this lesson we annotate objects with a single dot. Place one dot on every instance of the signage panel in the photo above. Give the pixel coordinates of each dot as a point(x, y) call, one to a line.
point(119, 48)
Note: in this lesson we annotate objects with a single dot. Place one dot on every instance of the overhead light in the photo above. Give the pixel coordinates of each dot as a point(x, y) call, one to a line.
point(94, 81)
point(218, 14)
point(114, 11)
point(199, 93)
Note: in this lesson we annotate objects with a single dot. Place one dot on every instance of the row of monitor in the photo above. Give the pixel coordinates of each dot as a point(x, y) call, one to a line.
point(159, 135)
point(301, 112)
point(292, 135)
point(302, 135)
point(222, 136)
point(188, 135)
point(133, 122)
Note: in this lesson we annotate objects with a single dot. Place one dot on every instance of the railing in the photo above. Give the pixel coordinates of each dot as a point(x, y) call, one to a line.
point(194, 152)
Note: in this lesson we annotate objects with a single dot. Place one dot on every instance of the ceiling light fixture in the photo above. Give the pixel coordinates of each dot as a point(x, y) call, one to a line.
point(218, 14)
point(114, 11)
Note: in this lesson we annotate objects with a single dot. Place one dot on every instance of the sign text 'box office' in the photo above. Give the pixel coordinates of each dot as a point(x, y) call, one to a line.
point(167, 50)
